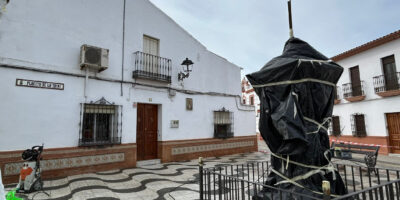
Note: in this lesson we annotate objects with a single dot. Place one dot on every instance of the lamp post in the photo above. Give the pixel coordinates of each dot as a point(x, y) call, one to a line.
point(187, 68)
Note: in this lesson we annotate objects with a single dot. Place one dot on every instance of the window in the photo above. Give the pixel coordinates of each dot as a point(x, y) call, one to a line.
point(252, 100)
point(223, 124)
point(358, 125)
point(390, 73)
point(151, 58)
point(334, 129)
point(150, 45)
point(244, 100)
point(336, 93)
point(100, 124)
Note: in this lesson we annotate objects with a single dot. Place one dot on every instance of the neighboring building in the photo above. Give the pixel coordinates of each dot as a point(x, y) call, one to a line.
point(367, 107)
point(249, 97)
point(136, 109)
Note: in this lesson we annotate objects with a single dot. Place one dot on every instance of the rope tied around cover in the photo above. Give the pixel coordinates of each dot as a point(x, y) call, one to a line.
point(316, 169)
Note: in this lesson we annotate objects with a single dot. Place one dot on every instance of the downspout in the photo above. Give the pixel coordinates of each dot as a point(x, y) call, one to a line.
point(123, 47)
point(86, 83)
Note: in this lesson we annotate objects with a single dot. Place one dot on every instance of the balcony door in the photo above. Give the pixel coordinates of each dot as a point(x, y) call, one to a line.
point(146, 131)
point(151, 54)
point(355, 81)
point(390, 74)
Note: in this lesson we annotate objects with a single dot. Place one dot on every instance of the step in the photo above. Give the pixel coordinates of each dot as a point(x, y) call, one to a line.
point(147, 162)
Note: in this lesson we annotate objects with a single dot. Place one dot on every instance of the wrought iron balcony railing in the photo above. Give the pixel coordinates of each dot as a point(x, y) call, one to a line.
point(384, 83)
point(353, 89)
point(152, 67)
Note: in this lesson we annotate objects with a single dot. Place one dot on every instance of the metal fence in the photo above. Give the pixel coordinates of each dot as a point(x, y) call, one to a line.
point(243, 181)
point(353, 89)
point(152, 67)
point(387, 82)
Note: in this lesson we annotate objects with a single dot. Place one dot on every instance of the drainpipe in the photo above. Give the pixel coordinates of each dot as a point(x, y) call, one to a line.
point(86, 83)
point(123, 47)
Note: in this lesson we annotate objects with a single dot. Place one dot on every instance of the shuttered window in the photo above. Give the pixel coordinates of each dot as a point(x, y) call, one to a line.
point(336, 94)
point(358, 125)
point(252, 100)
point(335, 126)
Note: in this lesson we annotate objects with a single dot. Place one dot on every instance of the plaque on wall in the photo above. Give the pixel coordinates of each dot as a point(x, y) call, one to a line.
point(189, 104)
point(39, 84)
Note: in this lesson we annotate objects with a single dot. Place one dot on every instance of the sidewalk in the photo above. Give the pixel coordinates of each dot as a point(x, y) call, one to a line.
point(383, 161)
point(177, 180)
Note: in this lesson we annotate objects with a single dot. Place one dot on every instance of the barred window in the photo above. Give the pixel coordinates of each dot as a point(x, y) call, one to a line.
point(334, 128)
point(223, 124)
point(100, 124)
point(358, 125)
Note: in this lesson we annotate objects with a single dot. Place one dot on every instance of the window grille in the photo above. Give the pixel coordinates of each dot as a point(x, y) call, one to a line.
point(223, 123)
point(334, 127)
point(101, 123)
point(358, 125)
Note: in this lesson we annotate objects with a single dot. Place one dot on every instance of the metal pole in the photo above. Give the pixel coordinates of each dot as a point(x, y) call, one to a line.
point(290, 18)
point(201, 177)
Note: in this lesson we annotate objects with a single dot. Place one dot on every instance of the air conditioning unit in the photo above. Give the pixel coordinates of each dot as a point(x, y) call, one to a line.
point(94, 58)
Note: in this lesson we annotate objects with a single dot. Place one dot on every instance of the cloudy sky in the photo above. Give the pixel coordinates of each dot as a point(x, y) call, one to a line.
point(251, 32)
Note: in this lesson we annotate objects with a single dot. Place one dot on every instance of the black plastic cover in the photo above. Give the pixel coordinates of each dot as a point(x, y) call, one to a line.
point(294, 89)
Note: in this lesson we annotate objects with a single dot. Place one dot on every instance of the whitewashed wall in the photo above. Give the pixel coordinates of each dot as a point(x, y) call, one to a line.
point(373, 107)
point(47, 34)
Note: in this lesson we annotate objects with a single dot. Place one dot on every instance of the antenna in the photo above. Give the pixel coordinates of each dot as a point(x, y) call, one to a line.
point(290, 18)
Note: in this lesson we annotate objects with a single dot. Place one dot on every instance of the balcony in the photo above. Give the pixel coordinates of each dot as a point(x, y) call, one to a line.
point(387, 85)
point(148, 66)
point(353, 91)
point(337, 96)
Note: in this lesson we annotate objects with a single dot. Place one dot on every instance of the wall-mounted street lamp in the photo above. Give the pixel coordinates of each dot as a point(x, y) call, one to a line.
point(188, 63)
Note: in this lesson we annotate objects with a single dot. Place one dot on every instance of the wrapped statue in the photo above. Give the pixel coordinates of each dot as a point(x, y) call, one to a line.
point(296, 92)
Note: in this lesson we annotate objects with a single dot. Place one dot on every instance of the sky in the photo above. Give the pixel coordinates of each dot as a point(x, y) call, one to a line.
point(249, 33)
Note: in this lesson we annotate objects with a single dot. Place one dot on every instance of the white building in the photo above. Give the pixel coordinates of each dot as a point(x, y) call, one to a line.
point(249, 97)
point(136, 109)
point(367, 110)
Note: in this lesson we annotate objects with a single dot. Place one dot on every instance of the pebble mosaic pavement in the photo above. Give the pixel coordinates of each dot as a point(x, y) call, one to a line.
point(175, 180)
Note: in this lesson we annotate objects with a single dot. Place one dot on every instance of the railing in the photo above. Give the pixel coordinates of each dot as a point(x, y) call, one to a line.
point(153, 67)
point(99, 141)
point(244, 181)
point(353, 89)
point(385, 83)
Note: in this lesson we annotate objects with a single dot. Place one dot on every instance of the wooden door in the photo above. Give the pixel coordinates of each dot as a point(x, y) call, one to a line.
point(389, 71)
point(355, 81)
point(146, 131)
point(393, 124)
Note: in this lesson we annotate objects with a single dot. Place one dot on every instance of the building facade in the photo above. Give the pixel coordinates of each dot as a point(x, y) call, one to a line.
point(249, 97)
point(367, 105)
point(131, 108)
